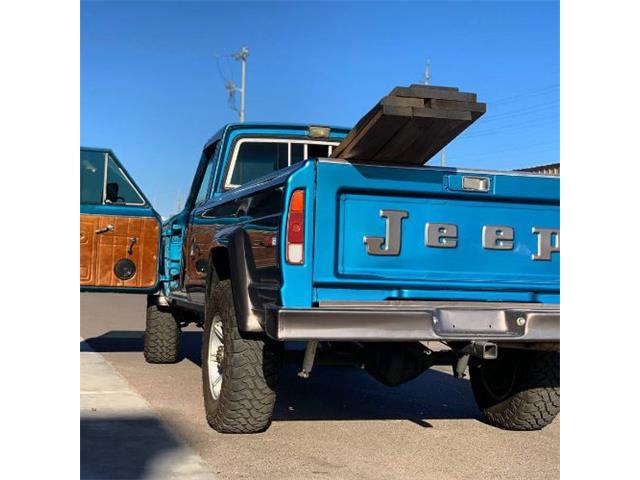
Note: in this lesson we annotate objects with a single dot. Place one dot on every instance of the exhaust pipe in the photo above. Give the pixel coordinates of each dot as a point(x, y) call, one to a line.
point(309, 357)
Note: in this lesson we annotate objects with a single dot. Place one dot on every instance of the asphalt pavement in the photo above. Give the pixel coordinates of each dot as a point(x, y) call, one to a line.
point(340, 423)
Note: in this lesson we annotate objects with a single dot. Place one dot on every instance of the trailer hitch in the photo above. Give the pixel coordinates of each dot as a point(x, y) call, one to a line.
point(479, 349)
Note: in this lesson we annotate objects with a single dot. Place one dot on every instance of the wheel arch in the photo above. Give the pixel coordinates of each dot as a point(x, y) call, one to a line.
point(234, 261)
point(218, 266)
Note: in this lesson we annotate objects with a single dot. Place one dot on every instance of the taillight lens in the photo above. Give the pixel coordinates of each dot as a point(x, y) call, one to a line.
point(295, 229)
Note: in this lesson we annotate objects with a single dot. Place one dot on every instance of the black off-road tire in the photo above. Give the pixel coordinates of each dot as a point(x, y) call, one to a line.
point(249, 369)
point(161, 336)
point(520, 390)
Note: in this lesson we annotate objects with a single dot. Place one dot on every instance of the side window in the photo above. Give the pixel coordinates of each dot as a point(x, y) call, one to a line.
point(255, 159)
point(204, 186)
point(297, 152)
point(119, 190)
point(91, 176)
point(315, 150)
point(211, 154)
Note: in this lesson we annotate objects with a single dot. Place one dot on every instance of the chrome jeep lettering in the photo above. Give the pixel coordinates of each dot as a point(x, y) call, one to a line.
point(548, 242)
point(445, 235)
point(441, 235)
point(393, 237)
point(497, 237)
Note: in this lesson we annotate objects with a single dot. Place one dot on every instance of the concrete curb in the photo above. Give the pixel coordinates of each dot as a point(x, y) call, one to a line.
point(121, 437)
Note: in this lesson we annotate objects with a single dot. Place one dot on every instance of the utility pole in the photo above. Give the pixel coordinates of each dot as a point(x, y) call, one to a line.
point(242, 55)
point(427, 78)
point(427, 72)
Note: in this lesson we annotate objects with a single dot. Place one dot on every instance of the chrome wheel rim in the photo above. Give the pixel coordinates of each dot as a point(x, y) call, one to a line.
point(216, 352)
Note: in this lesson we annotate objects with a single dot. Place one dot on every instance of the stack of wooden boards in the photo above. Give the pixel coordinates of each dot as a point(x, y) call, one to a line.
point(410, 125)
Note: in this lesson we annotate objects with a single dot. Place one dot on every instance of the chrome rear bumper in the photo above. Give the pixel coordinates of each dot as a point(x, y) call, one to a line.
point(415, 320)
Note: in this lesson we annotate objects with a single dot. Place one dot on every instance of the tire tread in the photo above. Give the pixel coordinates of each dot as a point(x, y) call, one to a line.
point(535, 400)
point(250, 368)
point(161, 337)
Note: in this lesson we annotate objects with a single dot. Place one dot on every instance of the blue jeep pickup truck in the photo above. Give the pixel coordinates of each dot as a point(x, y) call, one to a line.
point(279, 243)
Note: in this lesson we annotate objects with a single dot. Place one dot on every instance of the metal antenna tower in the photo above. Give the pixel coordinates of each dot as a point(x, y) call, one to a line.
point(242, 55)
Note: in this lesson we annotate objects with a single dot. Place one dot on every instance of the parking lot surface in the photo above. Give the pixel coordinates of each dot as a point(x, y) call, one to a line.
point(340, 423)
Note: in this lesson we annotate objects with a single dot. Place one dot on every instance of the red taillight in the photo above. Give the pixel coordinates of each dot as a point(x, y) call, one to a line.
point(295, 229)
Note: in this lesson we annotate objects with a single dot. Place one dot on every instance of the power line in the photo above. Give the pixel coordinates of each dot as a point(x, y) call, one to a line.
point(516, 148)
point(534, 116)
point(527, 94)
point(502, 156)
point(516, 113)
point(532, 107)
point(534, 122)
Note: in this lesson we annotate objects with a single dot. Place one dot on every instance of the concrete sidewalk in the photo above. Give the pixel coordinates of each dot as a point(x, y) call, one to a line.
point(121, 437)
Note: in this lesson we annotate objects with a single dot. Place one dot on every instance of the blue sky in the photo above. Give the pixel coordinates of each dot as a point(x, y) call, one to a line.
point(152, 91)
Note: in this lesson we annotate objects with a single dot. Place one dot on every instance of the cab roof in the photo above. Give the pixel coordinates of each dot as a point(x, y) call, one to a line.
point(301, 129)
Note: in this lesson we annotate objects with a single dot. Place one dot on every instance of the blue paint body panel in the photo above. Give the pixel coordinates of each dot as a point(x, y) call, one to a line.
point(348, 199)
point(297, 280)
point(119, 210)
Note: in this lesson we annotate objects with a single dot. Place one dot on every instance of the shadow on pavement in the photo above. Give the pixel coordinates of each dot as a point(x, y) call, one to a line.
point(337, 393)
point(133, 341)
point(124, 448)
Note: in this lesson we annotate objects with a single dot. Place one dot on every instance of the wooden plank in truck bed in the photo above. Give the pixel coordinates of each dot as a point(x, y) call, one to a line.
point(372, 132)
point(426, 127)
point(410, 125)
point(423, 91)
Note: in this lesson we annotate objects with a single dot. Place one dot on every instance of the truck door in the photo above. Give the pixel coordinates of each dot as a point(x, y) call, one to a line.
point(119, 229)
point(199, 237)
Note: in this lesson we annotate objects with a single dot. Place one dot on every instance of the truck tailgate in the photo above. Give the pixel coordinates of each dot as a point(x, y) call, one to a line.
point(359, 197)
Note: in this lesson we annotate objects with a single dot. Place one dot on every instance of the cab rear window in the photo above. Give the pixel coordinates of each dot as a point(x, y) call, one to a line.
point(253, 158)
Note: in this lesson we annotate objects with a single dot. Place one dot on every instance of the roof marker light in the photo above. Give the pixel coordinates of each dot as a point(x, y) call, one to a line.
point(321, 132)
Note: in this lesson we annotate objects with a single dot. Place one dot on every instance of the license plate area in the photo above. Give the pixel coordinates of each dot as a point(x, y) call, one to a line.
point(461, 322)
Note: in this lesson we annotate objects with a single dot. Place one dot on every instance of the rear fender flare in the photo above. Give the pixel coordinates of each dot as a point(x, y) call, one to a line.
point(242, 273)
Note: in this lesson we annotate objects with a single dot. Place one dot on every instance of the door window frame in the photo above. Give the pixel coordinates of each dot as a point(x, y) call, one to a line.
point(108, 155)
point(124, 174)
point(201, 171)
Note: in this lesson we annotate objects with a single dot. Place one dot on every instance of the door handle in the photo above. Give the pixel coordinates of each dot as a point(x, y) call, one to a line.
point(132, 242)
point(108, 228)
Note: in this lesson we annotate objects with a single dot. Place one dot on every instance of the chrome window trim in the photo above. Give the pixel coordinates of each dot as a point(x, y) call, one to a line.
point(126, 177)
point(104, 178)
point(227, 185)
